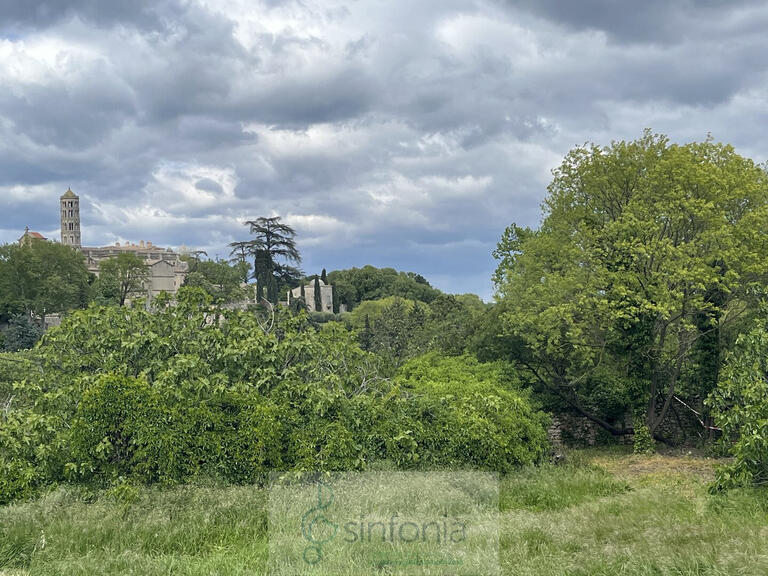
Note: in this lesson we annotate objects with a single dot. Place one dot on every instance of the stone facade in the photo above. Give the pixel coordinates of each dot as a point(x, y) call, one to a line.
point(680, 427)
point(70, 219)
point(166, 269)
point(326, 296)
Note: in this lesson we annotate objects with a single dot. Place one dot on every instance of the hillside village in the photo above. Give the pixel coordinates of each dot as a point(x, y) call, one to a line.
point(166, 268)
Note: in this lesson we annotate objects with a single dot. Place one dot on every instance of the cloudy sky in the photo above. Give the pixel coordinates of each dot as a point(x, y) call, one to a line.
point(389, 132)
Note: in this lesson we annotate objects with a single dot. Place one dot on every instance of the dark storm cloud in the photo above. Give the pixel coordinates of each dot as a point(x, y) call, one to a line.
point(32, 14)
point(649, 21)
point(392, 133)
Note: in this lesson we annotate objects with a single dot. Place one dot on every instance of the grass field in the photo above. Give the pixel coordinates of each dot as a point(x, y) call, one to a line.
point(602, 513)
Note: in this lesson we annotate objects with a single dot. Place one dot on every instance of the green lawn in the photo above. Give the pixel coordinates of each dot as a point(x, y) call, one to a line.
point(604, 513)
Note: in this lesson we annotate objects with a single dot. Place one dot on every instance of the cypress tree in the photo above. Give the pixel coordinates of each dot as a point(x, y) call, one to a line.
point(272, 289)
point(335, 300)
point(259, 288)
point(318, 300)
point(366, 336)
point(323, 277)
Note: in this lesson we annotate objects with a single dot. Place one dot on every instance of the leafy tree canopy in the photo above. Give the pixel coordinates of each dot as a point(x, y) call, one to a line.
point(41, 277)
point(221, 279)
point(356, 285)
point(120, 278)
point(646, 249)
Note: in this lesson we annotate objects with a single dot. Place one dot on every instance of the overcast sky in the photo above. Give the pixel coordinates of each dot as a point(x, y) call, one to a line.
point(388, 132)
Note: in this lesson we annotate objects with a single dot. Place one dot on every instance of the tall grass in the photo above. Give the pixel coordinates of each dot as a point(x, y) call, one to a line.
point(615, 515)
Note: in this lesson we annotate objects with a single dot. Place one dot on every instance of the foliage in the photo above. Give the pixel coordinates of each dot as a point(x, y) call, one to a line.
point(41, 277)
point(643, 441)
point(392, 327)
point(120, 278)
point(273, 251)
point(646, 248)
point(357, 285)
point(453, 321)
point(22, 333)
point(179, 391)
point(14, 368)
point(373, 310)
point(460, 411)
point(740, 406)
point(220, 279)
point(398, 329)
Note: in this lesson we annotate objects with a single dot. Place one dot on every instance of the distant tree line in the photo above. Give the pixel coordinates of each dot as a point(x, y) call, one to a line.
point(356, 285)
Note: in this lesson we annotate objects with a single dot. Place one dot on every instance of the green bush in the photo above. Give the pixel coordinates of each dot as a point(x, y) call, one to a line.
point(456, 411)
point(22, 333)
point(643, 441)
point(740, 407)
point(175, 392)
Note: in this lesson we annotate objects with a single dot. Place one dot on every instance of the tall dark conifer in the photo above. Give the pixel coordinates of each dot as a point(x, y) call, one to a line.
point(274, 242)
point(335, 299)
point(318, 299)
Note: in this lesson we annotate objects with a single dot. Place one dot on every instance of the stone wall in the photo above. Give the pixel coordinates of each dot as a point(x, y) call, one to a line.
point(680, 426)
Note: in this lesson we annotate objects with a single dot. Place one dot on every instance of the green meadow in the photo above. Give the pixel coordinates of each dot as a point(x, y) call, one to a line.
point(601, 513)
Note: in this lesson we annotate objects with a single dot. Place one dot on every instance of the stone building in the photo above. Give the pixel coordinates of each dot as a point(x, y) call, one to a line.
point(326, 296)
point(30, 236)
point(70, 219)
point(166, 269)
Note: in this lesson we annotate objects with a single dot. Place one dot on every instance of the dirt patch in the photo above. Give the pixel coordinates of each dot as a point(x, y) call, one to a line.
point(659, 464)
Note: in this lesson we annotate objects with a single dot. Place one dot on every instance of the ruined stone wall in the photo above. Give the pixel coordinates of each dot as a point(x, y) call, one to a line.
point(680, 426)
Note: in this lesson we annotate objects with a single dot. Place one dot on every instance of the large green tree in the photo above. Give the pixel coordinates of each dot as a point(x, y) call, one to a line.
point(121, 277)
point(275, 256)
point(39, 277)
point(221, 279)
point(357, 285)
point(646, 251)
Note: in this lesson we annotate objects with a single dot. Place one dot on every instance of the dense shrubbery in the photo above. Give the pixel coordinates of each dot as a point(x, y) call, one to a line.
point(740, 407)
point(397, 329)
point(456, 410)
point(167, 394)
